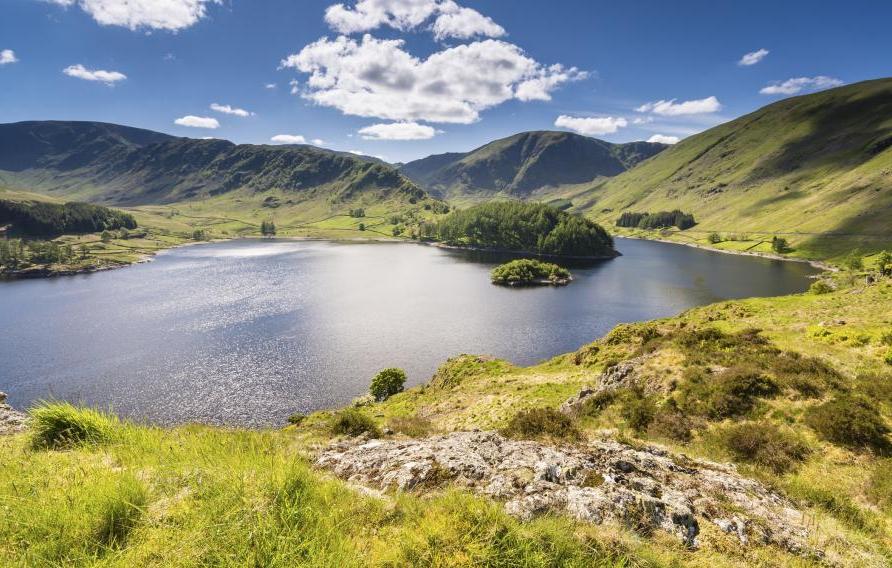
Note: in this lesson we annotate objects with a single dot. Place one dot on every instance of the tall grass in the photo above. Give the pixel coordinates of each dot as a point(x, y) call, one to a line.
point(56, 425)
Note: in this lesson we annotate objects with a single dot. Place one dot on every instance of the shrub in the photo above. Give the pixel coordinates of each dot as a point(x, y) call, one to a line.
point(851, 421)
point(808, 375)
point(879, 487)
point(670, 422)
point(732, 393)
point(876, 386)
point(541, 423)
point(714, 238)
point(387, 383)
point(352, 422)
point(780, 245)
point(820, 287)
point(296, 418)
point(638, 411)
point(57, 425)
point(886, 338)
point(412, 426)
point(888, 358)
point(597, 403)
point(765, 445)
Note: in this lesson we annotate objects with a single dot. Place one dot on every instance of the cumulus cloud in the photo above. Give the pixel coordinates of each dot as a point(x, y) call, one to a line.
point(269, 86)
point(379, 78)
point(294, 84)
point(80, 72)
point(288, 139)
point(226, 109)
point(197, 121)
point(318, 142)
point(799, 84)
point(169, 15)
point(663, 139)
point(7, 56)
point(449, 19)
point(591, 126)
point(753, 57)
point(671, 108)
point(398, 131)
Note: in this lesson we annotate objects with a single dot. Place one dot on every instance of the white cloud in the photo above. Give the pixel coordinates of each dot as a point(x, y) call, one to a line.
point(449, 19)
point(361, 153)
point(269, 86)
point(170, 15)
point(80, 72)
point(671, 108)
point(459, 22)
point(643, 120)
point(398, 131)
point(7, 56)
point(379, 78)
point(663, 139)
point(197, 121)
point(591, 126)
point(294, 84)
point(799, 84)
point(226, 109)
point(318, 142)
point(288, 139)
point(753, 57)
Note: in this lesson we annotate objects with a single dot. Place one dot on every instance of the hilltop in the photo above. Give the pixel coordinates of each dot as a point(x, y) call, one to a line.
point(525, 163)
point(816, 169)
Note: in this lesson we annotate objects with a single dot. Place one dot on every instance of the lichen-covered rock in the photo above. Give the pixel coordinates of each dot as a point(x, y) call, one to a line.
point(646, 489)
point(619, 376)
point(11, 420)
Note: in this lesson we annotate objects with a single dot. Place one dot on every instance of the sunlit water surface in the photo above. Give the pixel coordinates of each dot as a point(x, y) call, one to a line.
point(247, 332)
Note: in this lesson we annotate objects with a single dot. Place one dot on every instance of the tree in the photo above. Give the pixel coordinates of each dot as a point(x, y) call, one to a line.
point(387, 383)
point(198, 235)
point(780, 245)
point(268, 228)
point(106, 236)
point(884, 263)
point(362, 226)
point(714, 238)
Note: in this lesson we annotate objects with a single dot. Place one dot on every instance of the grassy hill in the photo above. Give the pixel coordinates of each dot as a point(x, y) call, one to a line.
point(525, 163)
point(816, 169)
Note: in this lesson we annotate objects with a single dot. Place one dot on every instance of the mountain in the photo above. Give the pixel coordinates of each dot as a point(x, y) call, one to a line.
point(125, 166)
point(816, 167)
point(525, 163)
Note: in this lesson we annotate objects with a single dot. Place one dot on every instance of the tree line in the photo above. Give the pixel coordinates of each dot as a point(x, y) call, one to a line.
point(39, 218)
point(521, 226)
point(659, 220)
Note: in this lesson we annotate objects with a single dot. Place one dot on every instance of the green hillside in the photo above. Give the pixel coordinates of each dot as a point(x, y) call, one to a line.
point(816, 169)
point(525, 163)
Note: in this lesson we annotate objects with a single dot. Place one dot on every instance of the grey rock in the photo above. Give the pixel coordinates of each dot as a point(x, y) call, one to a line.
point(621, 375)
point(11, 420)
point(596, 482)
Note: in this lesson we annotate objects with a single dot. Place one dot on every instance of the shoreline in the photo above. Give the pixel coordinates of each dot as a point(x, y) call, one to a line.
point(518, 252)
point(817, 264)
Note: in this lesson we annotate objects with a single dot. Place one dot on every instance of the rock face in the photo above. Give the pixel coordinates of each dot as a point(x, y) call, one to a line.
point(604, 480)
point(11, 420)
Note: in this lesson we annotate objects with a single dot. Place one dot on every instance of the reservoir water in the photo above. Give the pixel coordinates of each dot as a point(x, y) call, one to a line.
point(247, 332)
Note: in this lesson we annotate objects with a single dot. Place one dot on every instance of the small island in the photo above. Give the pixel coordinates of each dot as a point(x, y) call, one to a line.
point(529, 272)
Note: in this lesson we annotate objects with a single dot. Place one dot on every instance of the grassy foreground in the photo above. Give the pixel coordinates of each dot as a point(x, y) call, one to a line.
point(83, 488)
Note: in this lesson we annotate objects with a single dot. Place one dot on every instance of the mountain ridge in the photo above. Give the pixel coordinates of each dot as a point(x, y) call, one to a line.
point(524, 163)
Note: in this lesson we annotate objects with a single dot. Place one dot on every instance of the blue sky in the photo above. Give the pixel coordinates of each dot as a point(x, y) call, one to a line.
point(403, 79)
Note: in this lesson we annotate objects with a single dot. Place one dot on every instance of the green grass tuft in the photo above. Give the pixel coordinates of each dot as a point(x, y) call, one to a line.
point(58, 425)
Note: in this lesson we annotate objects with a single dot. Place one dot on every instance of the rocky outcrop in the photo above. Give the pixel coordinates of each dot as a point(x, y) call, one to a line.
point(646, 489)
point(11, 420)
point(621, 375)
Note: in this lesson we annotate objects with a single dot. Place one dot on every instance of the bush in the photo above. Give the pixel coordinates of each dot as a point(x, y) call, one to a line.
point(638, 411)
point(807, 375)
point(888, 358)
point(387, 383)
point(765, 445)
point(57, 425)
point(820, 287)
point(541, 423)
point(732, 393)
point(597, 403)
point(780, 245)
point(851, 421)
point(879, 487)
point(671, 423)
point(714, 238)
point(297, 418)
point(352, 422)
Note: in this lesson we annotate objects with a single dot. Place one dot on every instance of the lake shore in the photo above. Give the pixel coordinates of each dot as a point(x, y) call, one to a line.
point(519, 252)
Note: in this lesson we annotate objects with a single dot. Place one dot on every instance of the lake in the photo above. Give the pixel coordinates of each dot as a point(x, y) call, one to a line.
point(247, 332)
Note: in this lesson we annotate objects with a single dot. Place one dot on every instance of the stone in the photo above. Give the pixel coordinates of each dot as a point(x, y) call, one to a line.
point(11, 420)
point(644, 488)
